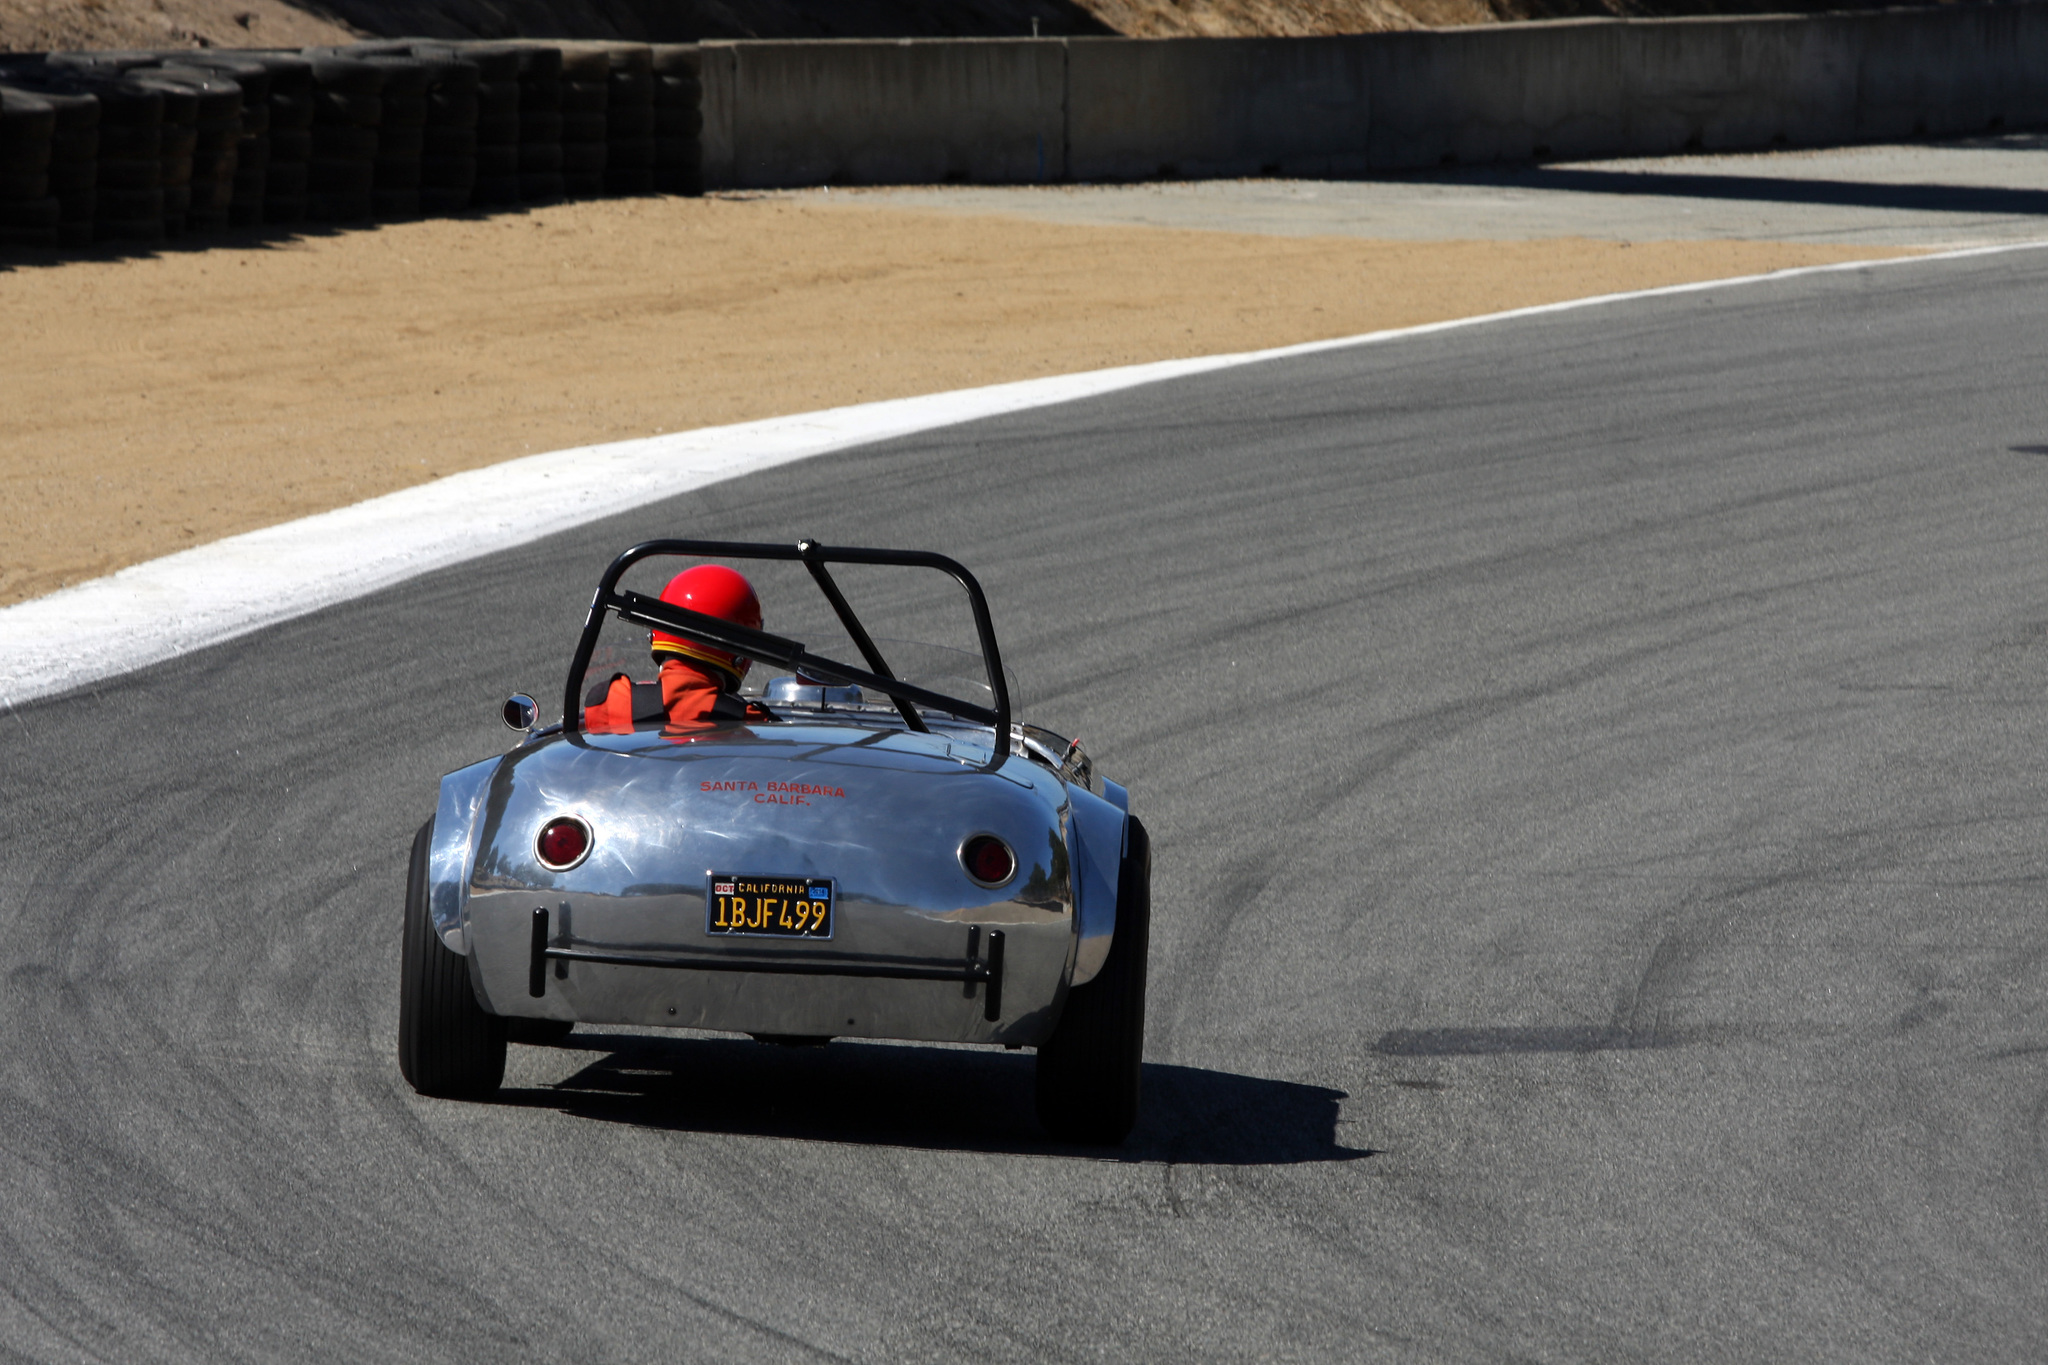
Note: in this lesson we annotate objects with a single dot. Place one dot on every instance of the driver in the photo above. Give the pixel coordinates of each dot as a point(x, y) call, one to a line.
point(699, 683)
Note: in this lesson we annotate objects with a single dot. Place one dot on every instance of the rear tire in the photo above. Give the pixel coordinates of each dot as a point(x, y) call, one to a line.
point(1088, 1070)
point(447, 1045)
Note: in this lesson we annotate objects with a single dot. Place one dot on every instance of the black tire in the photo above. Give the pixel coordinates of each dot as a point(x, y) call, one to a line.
point(586, 64)
point(438, 201)
point(342, 177)
point(131, 142)
point(402, 143)
point(290, 145)
point(73, 175)
point(540, 187)
point(679, 92)
point(453, 108)
point(498, 105)
point(291, 111)
point(340, 207)
point(117, 173)
point(40, 214)
point(495, 189)
point(538, 1032)
point(678, 123)
point(448, 173)
point(285, 180)
point(540, 129)
point(343, 142)
point(350, 108)
point(675, 59)
point(624, 122)
point(397, 173)
point(440, 142)
point(391, 206)
point(634, 152)
point(105, 229)
point(1088, 1070)
point(447, 1044)
point(629, 180)
point(498, 161)
point(333, 71)
point(129, 205)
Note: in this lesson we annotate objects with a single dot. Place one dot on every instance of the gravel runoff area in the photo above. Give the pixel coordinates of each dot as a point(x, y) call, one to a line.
point(161, 401)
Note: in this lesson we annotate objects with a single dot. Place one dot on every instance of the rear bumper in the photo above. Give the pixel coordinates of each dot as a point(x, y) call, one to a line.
point(889, 972)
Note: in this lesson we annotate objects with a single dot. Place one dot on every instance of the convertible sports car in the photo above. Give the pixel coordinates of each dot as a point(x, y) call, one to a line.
point(861, 856)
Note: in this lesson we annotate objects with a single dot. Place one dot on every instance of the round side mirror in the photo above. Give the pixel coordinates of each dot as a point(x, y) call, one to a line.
point(521, 712)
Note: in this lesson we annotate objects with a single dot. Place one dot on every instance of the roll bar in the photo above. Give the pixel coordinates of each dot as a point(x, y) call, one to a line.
point(640, 609)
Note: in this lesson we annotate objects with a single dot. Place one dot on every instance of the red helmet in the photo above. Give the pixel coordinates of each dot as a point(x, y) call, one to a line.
point(716, 591)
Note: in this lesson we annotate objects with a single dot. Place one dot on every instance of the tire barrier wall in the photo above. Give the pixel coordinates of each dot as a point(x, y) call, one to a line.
point(144, 146)
point(1020, 110)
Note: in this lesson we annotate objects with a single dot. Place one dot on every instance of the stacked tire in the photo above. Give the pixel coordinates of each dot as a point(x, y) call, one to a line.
point(251, 176)
point(629, 120)
point(74, 150)
point(144, 144)
point(348, 106)
point(129, 197)
point(130, 171)
point(286, 197)
point(586, 101)
point(401, 135)
point(75, 163)
point(678, 120)
point(179, 139)
point(209, 162)
point(29, 213)
point(540, 124)
point(497, 122)
point(449, 147)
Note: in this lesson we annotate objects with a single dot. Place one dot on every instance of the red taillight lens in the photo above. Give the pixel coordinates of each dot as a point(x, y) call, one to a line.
point(563, 842)
point(988, 860)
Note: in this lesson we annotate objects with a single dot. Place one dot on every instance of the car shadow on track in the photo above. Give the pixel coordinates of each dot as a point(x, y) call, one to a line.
point(955, 1099)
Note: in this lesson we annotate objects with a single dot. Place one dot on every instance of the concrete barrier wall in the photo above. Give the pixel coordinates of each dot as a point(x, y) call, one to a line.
point(1015, 111)
point(877, 113)
point(1217, 107)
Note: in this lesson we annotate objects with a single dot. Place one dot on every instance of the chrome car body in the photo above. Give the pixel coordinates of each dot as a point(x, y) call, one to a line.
point(878, 797)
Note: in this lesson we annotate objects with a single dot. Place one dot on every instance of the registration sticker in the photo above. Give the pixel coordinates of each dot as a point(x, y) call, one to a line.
point(768, 907)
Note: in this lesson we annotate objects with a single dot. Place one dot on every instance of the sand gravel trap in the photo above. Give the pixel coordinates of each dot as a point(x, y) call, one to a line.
point(157, 402)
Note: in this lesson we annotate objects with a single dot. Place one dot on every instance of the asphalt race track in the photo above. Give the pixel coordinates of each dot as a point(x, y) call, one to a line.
point(1594, 769)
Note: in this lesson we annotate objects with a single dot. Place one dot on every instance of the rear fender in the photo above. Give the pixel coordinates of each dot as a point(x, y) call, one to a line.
point(454, 847)
point(1095, 838)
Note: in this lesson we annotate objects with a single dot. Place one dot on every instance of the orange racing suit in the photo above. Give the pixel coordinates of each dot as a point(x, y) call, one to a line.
point(692, 698)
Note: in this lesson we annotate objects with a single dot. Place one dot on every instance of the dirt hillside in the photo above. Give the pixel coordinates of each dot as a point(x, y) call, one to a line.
point(42, 25)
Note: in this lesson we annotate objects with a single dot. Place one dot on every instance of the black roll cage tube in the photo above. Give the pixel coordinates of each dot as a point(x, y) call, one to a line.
point(641, 610)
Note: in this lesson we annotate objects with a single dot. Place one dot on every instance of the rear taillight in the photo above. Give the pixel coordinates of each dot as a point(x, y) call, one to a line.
point(988, 860)
point(564, 842)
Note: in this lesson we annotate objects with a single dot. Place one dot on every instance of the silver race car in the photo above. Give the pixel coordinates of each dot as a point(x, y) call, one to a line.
point(856, 855)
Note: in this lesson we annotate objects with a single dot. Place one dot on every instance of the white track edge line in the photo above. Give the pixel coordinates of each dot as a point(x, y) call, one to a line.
point(212, 593)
